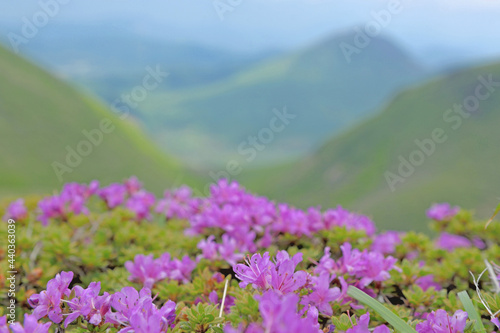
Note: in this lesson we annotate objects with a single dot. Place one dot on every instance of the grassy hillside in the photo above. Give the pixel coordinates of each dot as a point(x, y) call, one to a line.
point(316, 84)
point(351, 169)
point(41, 116)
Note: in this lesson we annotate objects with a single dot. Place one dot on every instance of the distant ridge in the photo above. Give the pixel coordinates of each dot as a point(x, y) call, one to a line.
point(316, 83)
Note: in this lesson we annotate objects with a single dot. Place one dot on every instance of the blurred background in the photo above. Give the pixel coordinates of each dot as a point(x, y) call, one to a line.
point(383, 107)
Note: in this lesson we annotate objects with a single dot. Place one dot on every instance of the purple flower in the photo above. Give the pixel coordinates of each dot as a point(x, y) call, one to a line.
point(180, 270)
point(362, 326)
point(178, 204)
point(137, 312)
point(343, 218)
point(140, 203)
point(113, 194)
point(125, 302)
point(426, 282)
point(133, 185)
point(478, 242)
point(496, 322)
point(208, 248)
point(51, 207)
point(71, 200)
point(84, 191)
point(450, 242)
point(368, 266)
point(146, 270)
point(228, 303)
point(279, 314)
point(440, 322)
point(16, 210)
point(48, 302)
point(280, 276)
point(225, 192)
point(3, 325)
point(352, 260)
point(88, 304)
point(442, 212)
point(284, 279)
point(322, 294)
point(256, 271)
point(385, 243)
point(376, 267)
point(326, 264)
point(228, 250)
point(30, 325)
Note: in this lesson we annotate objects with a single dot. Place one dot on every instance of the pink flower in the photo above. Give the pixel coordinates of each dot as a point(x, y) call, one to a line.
point(322, 294)
point(279, 314)
point(426, 282)
point(440, 322)
point(88, 304)
point(133, 185)
point(16, 210)
point(113, 195)
point(362, 326)
point(145, 270)
point(496, 322)
point(137, 312)
point(385, 243)
point(256, 271)
point(48, 302)
point(178, 204)
point(30, 325)
point(442, 212)
point(450, 242)
point(148, 271)
point(140, 203)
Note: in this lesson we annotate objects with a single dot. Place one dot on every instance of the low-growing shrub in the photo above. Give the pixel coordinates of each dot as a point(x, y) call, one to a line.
point(115, 258)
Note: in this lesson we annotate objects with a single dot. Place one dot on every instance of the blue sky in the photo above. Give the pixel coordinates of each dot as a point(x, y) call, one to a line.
point(255, 25)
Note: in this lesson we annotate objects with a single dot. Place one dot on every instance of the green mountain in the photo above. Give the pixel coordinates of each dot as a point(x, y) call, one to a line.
point(51, 134)
point(317, 85)
point(109, 62)
point(425, 147)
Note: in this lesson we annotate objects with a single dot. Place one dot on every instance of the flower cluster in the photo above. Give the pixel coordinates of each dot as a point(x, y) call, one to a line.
point(410, 273)
point(71, 200)
point(354, 267)
point(148, 271)
point(179, 204)
point(362, 326)
point(442, 212)
point(280, 315)
point(30, 325)
point(131, 195)
point(16, 210)
point(280, 275)
point(133, 311)
point(440, 322)
point(248, 222)
point(363, 267)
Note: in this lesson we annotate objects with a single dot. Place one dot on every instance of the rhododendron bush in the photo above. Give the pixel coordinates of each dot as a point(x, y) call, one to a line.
point(115, 258)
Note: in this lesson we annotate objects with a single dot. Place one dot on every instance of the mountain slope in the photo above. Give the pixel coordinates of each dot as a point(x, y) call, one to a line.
point(42, 119)
point(316, 84)
point(353, 169)
point(69, 52)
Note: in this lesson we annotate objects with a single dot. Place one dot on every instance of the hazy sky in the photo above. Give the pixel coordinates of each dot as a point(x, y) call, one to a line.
point(471, 26)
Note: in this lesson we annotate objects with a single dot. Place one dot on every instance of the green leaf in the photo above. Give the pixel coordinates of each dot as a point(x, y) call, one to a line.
point(471, 310)
point(497, 210)
point(396, 322)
